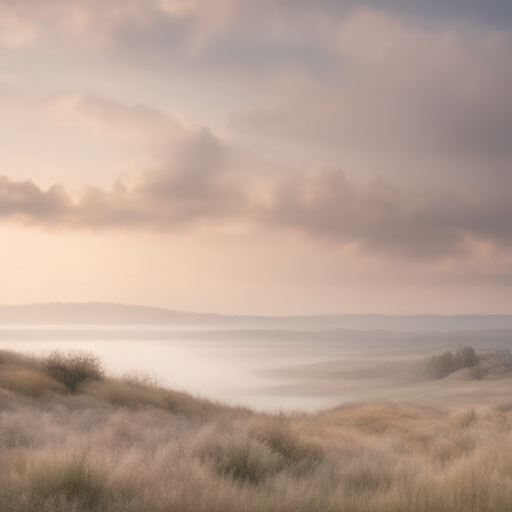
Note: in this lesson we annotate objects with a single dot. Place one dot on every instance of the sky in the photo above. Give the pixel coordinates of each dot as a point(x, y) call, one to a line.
point(276, 157)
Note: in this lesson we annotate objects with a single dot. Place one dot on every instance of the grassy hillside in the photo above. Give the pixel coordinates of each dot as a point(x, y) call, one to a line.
point(75, 439)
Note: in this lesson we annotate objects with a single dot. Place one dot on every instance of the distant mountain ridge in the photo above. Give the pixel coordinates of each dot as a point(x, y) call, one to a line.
point(409, 341)
point(97, 313)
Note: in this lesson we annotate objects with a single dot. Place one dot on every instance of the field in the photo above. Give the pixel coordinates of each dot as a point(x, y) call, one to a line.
point(75, 439)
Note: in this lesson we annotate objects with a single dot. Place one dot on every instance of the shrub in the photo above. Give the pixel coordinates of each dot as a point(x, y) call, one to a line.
point(241, 457)
point(477, 372)
point(466, 358)
point(73, 367)
point(440, 366)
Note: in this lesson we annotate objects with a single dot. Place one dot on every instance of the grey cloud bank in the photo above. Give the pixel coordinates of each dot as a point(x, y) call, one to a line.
point(326, 204)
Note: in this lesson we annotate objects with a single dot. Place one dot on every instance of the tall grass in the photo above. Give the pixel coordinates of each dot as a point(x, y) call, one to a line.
point(131, 445)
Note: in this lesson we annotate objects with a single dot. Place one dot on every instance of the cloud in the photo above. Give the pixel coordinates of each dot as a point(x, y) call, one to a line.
point(26, 202)
point(199, 25)
point(395, 90)
point(113, 119)
point(380, 218)
point(195, 185)
point(87, 22)
point(342, 75)
point(200, 187)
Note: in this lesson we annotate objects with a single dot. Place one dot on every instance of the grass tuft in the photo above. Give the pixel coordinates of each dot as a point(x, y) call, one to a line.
point(241, 457)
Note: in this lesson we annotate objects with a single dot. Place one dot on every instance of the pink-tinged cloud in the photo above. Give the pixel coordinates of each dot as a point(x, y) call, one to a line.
point(27, 203)
point(376, 217)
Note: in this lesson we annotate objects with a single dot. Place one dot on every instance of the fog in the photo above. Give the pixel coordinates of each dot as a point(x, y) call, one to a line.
point(236, 372)
point(275, 370)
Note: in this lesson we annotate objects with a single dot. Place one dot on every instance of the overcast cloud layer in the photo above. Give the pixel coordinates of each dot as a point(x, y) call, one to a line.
point(383, 128)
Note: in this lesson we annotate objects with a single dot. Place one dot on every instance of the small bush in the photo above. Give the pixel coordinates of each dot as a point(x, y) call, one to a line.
point(73, 367)
point(440, 366)
point(477, 372)
point(466, 358)
point(241, 457)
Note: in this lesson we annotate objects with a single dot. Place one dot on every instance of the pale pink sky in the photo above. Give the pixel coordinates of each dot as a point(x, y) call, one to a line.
point(270, 157)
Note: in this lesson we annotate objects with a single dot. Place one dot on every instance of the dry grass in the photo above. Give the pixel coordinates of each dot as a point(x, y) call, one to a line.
point(28, 381)
point(131, 445)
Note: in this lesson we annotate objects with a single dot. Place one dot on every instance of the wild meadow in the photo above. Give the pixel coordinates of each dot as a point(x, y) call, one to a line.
point(73, 438)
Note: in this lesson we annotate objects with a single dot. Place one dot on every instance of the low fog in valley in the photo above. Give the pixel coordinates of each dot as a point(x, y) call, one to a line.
point(278, 369)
